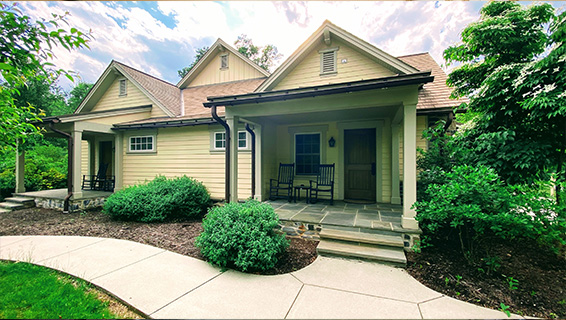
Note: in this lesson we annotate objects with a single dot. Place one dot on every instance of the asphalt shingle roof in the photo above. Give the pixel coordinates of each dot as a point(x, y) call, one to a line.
point(436, 94)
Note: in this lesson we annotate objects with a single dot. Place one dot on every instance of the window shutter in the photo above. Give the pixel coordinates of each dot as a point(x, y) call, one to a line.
point(123, 91)
point(328, 62)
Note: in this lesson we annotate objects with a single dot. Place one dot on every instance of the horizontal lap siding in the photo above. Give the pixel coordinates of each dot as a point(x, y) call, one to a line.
point(421, 143)
point(358, 67)
point(111, 99)
point(186, 151)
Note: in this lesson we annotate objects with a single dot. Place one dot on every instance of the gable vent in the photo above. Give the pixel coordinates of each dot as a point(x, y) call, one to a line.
point(123, 88)
point(328, 62)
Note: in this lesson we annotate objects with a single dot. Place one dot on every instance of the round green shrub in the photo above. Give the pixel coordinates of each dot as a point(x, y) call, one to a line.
point(159, 200)
point(242, 236)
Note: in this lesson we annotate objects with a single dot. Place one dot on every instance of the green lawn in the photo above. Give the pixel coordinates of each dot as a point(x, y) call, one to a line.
point(32, 292)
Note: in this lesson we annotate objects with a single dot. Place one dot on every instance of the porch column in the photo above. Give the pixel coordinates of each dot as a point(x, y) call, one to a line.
point(77, 175)
point(118, 154)
point(20, 171)
point(395, 197)
point(409, 165)
point(233, 124)
point(258, 160)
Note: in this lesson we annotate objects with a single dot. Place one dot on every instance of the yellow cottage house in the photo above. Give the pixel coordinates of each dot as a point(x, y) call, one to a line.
point(336, 100)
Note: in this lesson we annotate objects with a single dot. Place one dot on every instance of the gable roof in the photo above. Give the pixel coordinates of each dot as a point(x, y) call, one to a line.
point(220, 45)
point(324, 33)
point(436, 94)
point(164, 95)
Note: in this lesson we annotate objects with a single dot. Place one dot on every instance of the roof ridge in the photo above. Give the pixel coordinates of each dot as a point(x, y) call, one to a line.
point(145, 73)
point(414, 54)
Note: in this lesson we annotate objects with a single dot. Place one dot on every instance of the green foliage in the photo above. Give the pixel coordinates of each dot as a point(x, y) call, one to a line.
point(25, 50)
point(265, 57)
point(159, 200)
point(512, 282)
point(76, 96)
point(33, 292)
point(505, 308)
point(242, 235)
point(516, 92)
point(199, 53)
point(45, 168)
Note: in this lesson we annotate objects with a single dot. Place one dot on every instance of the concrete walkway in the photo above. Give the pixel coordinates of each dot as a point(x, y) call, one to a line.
point(164, 284)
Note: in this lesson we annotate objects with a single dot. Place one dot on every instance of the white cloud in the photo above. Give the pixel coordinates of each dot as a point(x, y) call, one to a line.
point(130, 34)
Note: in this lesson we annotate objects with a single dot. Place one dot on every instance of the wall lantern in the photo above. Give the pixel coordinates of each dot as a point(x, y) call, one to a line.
point(331, 142)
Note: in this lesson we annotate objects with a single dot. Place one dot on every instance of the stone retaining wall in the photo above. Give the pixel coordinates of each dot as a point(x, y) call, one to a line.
point(74, 205)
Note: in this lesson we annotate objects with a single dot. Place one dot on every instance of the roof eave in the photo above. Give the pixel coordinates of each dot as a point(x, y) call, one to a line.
point(403, 80)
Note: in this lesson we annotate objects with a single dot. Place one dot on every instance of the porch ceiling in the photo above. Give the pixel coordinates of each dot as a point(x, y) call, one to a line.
point(327, 116)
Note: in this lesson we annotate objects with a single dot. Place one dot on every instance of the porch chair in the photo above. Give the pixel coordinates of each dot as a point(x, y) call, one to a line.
point(100, 181)
point(283, 182)
point(324, 182)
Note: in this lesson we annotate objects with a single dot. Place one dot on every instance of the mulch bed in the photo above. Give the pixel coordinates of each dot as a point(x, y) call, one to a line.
point(178, 237)
point(540, 290)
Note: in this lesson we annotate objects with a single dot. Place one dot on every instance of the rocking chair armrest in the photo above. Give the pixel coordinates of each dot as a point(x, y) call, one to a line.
point(312, 182)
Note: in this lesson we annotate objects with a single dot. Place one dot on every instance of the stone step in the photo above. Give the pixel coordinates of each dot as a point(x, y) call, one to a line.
point(395, 256)
point(11, 206)
point(26, 202)
point(362, 237)
point(2, 210)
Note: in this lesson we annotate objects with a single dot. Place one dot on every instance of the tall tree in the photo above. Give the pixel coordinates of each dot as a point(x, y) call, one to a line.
point(499, 56)
point(77, 95)
point(265, 57)
point(199, 53)
point(25, 52)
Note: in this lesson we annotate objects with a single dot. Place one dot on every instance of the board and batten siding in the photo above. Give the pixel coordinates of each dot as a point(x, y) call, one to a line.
point(357, 67)
point(237, 70)
point(111, 99)
point(421, 143)
point(185, 151)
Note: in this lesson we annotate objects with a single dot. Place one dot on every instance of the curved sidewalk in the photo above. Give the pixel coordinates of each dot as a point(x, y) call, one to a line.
point(163, 284)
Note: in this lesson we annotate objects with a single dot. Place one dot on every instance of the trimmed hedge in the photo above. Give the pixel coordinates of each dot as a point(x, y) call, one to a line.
point(159, 200)
point(242, 236)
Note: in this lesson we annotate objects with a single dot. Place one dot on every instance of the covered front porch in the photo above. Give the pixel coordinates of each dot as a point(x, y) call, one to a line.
point(367, 129)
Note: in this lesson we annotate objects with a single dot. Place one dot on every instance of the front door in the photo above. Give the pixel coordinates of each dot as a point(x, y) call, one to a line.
point(359, 164)
point(106, 155)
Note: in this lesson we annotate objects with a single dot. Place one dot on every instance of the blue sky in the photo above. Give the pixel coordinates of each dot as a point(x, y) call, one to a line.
point(161, 37)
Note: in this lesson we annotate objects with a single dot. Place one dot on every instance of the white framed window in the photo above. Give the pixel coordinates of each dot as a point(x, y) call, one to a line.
point(328, 59)
point(141, 144)
point(224, 61)
point(307, 153)
point(123, 88)
point(219, 142)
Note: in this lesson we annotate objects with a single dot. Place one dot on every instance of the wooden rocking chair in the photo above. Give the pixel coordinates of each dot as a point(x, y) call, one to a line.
point(284, 182)
point(100, 181)
point(324, 182)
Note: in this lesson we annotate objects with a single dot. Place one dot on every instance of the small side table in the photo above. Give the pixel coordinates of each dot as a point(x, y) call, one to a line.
point(298, 190)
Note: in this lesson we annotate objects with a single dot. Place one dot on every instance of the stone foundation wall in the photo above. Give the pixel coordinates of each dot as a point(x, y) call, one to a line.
point(300, 229)
point(74, 205)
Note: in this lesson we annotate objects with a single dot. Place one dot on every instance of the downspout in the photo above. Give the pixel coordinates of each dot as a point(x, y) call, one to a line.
point(69, 165)
point(227, 148)
point(252, 133)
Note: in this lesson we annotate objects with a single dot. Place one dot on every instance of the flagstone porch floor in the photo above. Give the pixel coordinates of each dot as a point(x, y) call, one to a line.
point(381, 216)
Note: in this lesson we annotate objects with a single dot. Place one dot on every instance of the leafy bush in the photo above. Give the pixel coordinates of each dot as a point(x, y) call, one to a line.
point(473, 206)
point(242, 235)
point(45, 168)
point(159, 200)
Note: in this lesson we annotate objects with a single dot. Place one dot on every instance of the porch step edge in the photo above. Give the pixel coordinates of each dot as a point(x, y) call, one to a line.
point(27, 202)
point(11, 205)
point(3, 210)
point(362, 237)
point(394, 256)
